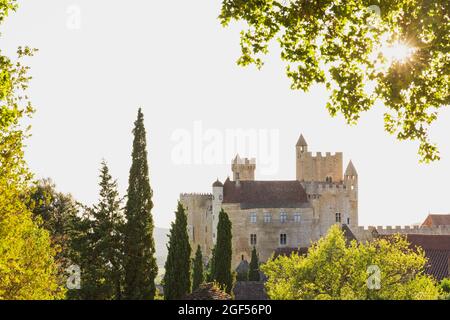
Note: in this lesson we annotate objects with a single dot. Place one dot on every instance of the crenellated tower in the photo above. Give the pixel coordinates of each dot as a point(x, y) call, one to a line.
point(326, 168)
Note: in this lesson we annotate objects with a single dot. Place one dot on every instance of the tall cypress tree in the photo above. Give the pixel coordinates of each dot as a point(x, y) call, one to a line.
point(106, 240)
point(253, 270)
point(197, 272)
point(222, 253)
point(140, 262)
point(177, 277)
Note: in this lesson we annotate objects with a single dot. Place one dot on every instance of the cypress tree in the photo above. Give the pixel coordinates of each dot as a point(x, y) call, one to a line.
point(253, 270)
point(197, 273)
point(140, 262)
point(106, 240)
point(222, 254)
point(210, 273)
point(177, 277)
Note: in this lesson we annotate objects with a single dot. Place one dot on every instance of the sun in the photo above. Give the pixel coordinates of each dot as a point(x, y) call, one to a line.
point(397, 52)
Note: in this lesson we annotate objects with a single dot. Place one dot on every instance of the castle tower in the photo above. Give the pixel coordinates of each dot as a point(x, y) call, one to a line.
point(351, 184)
point(243, 169)
point(351, 177)
point(216, 207)
point(319, 168)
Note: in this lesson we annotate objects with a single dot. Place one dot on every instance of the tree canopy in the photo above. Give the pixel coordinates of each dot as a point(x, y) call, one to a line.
point(392, 51)
point(333, 269)
point(27, 259)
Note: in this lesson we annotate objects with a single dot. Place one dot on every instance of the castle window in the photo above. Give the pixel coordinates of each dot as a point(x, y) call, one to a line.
point(253, 239)
point(283, 217)
point(253, 218)
point(283, 239)
point(348, 220)
point(267, 217)
point(297, 217)
point(338, 217)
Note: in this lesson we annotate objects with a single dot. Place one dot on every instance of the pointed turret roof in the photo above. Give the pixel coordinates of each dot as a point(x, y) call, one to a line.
point(217, 183)
point(351, 171)
point(301, 141)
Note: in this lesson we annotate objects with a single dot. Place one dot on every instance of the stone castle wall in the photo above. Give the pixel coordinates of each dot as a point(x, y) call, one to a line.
point(199, 214)
point(319, 167)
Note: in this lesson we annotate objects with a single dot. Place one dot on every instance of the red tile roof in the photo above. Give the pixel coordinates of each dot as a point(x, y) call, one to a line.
point(265, 194)
point(437, 220)
point(437, 250)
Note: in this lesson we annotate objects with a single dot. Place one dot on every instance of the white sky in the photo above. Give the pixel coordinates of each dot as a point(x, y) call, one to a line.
point(175, 60)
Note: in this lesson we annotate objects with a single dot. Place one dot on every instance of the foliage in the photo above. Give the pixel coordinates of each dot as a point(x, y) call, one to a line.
point(445, 287)
point(197, 272)
point(345, 45)
point(140, 261)
point(334, 270)
point(253, 271)
point(59, 214)
point(221, 262)
point(27, 266)
point(177, 278)
point(103, 264)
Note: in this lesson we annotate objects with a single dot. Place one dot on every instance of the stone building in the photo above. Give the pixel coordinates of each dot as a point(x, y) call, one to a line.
point(276, 215)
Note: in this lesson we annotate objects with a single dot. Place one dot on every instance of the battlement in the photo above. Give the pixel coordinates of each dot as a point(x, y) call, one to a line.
point(363, 231)
point(319, 187)
point(207, 196)
point(244, 161)
point(320, 155)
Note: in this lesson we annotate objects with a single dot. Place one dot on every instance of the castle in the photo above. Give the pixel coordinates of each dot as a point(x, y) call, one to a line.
point(284, 216)
point(273, 215)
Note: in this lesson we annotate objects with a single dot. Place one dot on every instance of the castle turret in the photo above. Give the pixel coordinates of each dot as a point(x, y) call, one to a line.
point(216, 207)
point(351, 184)
point(351, 177)
point(302, 146)
point(243, 169)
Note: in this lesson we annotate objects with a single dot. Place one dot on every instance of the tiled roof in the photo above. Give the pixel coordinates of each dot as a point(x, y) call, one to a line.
point(265, 194)
point(250, 290)
point(437, 250)
point(208, 291)
point(348, 234)
point(437, 220)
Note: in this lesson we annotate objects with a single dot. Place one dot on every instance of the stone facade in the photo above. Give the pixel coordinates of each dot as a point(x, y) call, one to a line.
point(276, 214)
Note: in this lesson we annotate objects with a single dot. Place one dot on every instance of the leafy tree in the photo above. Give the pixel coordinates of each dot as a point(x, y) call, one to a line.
point(59, 214)
point(104, 271)
point(140, 261)
point(381, 269)
point(221, 262)
point(197, 272)
point(177, 277)
point(253, 271)
point(445, 287)
point(27, 260)
point(354, 52)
